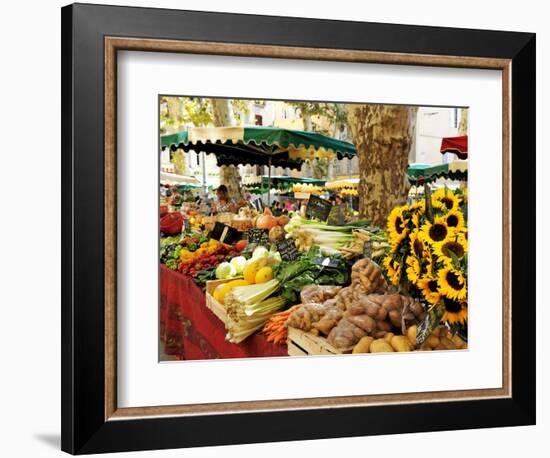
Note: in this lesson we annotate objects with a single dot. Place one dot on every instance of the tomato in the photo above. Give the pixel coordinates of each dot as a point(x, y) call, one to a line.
point(241, 245)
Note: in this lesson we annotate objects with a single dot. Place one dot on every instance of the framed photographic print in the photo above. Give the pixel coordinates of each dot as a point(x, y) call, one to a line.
point(280, 228)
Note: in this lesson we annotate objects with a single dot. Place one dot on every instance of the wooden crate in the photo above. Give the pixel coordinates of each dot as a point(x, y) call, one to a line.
point(301, 343)
point(211, 303)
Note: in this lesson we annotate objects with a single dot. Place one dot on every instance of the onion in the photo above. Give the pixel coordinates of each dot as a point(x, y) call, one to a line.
point(267, 220)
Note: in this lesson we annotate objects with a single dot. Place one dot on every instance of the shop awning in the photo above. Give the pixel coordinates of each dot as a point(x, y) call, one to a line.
point(456, 145)
point(173, 178)
point(346, 183)
point(259, 145)
point(420, 173)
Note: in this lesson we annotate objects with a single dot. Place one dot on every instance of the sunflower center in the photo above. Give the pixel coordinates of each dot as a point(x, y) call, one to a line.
point(432, 285)
point(452, 220)
point(438, 232)
point(453, 306)
point(453, 280)
point(399, 225)
point(447, 202)
point(454, 247)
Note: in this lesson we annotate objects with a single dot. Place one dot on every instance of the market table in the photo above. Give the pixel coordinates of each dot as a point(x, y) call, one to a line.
point(190, 331)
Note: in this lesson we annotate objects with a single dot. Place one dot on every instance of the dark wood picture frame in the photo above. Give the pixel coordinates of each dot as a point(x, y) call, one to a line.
point(91, 37)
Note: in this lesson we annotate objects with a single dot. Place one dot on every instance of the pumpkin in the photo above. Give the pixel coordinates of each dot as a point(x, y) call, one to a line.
point(267, 220)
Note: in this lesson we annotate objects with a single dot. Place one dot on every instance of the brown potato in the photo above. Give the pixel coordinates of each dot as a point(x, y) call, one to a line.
point(411, 334)
point(447, 343)
point(395, 317)
point(432, 341)
point(388, 336)
point(460, 344)
point(401, 343)
point(363, 345)
point(380, 346)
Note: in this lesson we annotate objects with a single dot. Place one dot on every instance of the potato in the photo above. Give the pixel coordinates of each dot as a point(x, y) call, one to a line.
point(388, 336)
point(380, 346)
point(460, 344)
point(411, 335)
point(401, 343)
point(448, 344)
point(432, 341)
point(363, 345)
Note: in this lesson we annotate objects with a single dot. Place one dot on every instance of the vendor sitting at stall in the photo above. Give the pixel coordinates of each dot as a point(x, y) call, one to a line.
point(224, 203)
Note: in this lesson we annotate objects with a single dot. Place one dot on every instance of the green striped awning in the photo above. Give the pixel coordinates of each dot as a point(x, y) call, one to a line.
point(258, 145)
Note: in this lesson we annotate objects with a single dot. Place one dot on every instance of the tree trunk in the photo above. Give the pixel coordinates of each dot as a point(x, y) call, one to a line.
point(383, 136)
point(229, 175)
point(308, 123)
point(463, 124)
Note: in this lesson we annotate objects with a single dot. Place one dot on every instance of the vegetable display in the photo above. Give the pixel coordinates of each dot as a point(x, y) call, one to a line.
point(275, 328)
point(347, 240)
point(308, 270)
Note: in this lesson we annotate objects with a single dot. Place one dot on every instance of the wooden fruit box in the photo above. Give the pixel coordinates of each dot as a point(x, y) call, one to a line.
point(211, 303)
point(301, 343)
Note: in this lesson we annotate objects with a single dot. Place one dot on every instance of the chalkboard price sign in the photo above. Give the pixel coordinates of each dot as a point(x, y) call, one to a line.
point(287, 250)
point(325, 261)
point(318, 208)
point(258, 237)
point(224, 233)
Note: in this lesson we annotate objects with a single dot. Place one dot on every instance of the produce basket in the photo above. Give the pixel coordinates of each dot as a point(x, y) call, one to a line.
point(301, 343)
point(211, 303)
point(242, 224)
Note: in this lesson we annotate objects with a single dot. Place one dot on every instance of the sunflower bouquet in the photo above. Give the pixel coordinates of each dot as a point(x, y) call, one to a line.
point(429, 252)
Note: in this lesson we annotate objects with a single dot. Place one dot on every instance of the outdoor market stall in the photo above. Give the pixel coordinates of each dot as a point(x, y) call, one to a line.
point(311, 283)
point(250, 145)
point(269, 146)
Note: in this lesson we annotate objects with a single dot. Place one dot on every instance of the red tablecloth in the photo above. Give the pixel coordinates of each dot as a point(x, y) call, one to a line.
point(190, 331)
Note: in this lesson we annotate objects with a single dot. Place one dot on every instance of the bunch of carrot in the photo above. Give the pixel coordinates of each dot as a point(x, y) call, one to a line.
point(275, 328)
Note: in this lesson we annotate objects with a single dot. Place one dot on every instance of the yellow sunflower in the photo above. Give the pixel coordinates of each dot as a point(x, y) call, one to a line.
point(436, 232)
point(413, 269)
point(445, 199)
point(418, 247)
point(457, 245)
point(452, 283)
point(455, 219)
point(429, 288)
point(393, 269)
point(428, 263)
point(418, 207)
point(397, 226)
point(455, 311)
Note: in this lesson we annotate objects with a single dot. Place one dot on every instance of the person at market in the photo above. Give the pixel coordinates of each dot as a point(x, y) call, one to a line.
point(224, 204)
point(276, 209)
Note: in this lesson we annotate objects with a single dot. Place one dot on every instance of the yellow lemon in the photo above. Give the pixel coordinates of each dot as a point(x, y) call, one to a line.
point(224, 288)
point(249, 272)
point(264, 274)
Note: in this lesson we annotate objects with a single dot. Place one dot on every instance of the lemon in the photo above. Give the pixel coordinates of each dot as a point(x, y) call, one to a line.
point(249, 272)
point(224, 288)
point(264, 274)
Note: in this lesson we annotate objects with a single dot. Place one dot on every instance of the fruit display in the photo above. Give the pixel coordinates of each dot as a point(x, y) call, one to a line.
point(209, 255)
point(352, 288)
